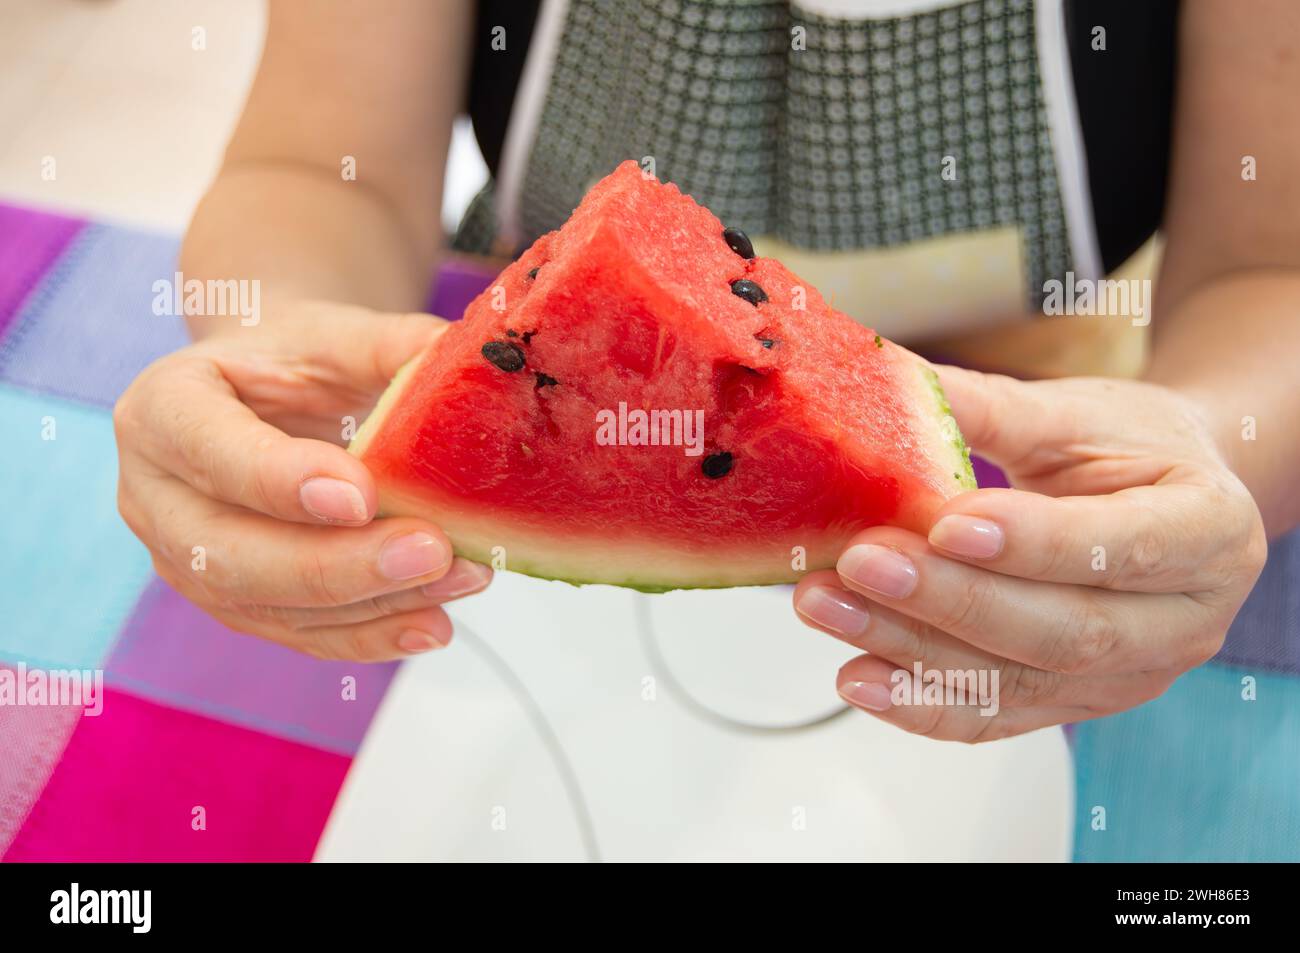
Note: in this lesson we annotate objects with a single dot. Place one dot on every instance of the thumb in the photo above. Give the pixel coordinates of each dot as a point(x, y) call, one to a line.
point(1003, 419)
point(371, 347)
point(357, 350)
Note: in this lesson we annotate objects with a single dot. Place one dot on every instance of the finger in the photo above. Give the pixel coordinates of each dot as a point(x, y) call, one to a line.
point(891, 694)
point(310, 384)
point(1058, 628)
point(821, 601)
point(402, 634)
point(908, 643)
point(187, 421)
point(401, 338)
point(1006, 420)
point(351, 349)
point(246, 558)
point(465, 578)
point(379, 640)
point(1166, 538)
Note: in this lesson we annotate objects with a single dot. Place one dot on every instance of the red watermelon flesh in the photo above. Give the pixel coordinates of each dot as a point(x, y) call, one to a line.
point(506, 431)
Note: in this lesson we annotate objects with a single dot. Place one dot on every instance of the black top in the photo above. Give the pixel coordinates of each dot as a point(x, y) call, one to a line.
point(1125, 97)
point(1126, 103)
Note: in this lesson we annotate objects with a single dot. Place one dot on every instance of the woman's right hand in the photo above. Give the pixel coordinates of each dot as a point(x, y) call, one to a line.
point(233, 475)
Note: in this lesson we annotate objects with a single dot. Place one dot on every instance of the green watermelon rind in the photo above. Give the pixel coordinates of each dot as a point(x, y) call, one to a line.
point(479, 555)
point(965, 477)
point(648, 589)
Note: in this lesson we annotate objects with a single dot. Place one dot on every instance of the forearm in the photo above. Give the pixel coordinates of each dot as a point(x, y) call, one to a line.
point(1232, 346)
point(370, 88)
point(304, 232)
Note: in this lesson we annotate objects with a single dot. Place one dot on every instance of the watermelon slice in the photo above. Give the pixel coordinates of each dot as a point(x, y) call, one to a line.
point(639, 401)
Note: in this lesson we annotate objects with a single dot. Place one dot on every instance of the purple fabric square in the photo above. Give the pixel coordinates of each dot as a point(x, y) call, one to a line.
point(172, 653)
point(459, 282)
point(1266, 632)
point(88, 328)
point(987, 474)
point(30, 242)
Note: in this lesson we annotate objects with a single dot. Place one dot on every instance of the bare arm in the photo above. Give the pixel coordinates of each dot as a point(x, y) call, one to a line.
point(1228, 327)
point(232, 443)
point(378, 82)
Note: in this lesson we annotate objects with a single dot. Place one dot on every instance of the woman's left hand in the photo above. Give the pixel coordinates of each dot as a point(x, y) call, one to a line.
point(1117, 564)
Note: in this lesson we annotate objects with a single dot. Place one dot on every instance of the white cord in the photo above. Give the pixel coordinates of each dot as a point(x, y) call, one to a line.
point(661, 670)
point(550, 740)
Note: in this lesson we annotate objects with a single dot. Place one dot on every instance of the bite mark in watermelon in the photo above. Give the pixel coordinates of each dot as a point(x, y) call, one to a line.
point(814, 426)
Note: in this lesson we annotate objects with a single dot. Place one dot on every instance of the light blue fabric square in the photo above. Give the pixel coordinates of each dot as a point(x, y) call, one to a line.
point(88, 328)
point(70, 570)
point(1199, 774)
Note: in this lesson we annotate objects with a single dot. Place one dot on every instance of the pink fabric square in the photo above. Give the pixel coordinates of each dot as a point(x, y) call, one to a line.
point(129, 781)
point(31, 740)
point(30, 243)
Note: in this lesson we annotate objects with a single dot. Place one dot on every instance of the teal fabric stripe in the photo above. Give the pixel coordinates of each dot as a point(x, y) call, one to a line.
point(70, 570)
point(1199, 774)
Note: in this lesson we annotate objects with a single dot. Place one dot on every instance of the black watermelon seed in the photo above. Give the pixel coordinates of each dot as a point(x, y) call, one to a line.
point(766, 342)
point(739, 242)
point(545, 380)
point(716, 465)
point(504, 355)
point(532, 272)
point(744, 288)
point(528, 336)
point(512, 334)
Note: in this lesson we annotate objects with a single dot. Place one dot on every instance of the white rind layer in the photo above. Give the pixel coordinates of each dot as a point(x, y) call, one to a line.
point(614, 557)
point(387, 401)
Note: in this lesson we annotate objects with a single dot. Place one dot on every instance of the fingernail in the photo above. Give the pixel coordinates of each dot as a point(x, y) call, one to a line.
point(462, 578)
point(335, 501)
point(415, 554)
point(415, 641)
point(835, 609)
point(871, 695)
point(967, 536)
point(879, 569)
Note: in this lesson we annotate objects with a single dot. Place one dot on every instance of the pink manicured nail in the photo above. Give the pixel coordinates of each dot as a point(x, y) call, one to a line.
point(415, 554)
point(871, 695)
point(836, 609)
point(967, 536)
point(462, 578)
point(415, 641)
point(335, 501)
point(879, 569)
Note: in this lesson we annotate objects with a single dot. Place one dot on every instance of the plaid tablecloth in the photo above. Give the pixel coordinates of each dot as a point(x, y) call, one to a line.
point(196, 716)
